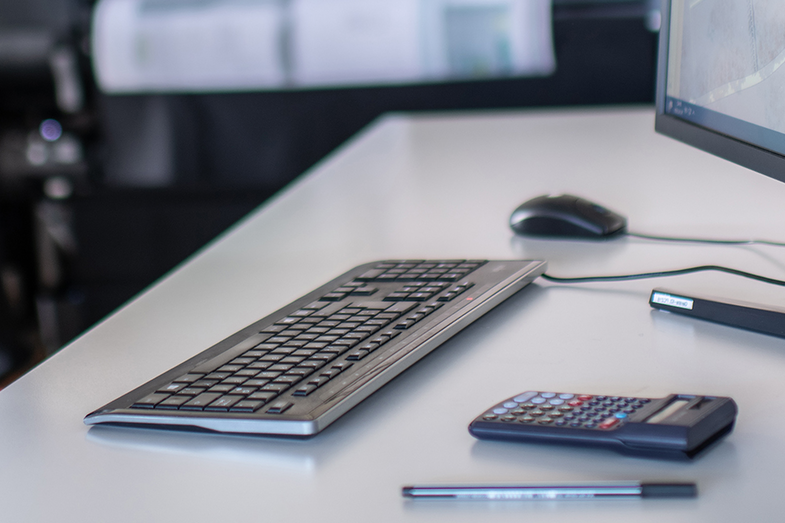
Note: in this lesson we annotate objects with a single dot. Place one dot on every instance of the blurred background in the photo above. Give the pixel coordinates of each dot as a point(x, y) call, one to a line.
point(132, 132)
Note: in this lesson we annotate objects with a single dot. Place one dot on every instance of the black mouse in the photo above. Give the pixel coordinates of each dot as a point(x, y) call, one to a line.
point(566, 216)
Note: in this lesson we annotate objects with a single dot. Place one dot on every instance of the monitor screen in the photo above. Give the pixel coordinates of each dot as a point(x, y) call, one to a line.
point(721, 84)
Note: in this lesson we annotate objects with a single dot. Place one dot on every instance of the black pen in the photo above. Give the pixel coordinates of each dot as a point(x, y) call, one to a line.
point(594, 490)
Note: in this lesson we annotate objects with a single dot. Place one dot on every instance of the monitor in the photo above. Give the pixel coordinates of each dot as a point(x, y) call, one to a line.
point(720, 81)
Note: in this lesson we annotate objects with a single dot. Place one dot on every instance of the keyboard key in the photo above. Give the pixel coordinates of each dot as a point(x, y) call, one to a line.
point(223, 403)
point(279, 407)
point(172, 402)
point(150, 401)
point(262, 396)
point(189, 378)
point(246, 406)
point(172, 387)
point(304, 390)
point(201, 401)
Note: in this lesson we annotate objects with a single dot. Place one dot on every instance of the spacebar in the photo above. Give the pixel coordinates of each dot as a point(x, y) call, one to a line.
point(229, 354)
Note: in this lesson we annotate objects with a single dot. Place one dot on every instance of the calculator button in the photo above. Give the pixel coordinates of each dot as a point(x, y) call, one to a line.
point(576, 424)
point(526, 396)
point(510, 405)
point(566, 396)
point(590, 425)
point(517, 412)
point(602, 398)
point(608, 423)
point(538, 401)
point(548, 395)
point(508, 418)
point(490, 417)
point(547, 407)
point(536, 413)
point(544, 421)
point(575, 403)
point(556, 401)
point(565, 408)
point(621, 415)
point(500, 410)
point(584, 397)
point(526, 419)
point(560, 423)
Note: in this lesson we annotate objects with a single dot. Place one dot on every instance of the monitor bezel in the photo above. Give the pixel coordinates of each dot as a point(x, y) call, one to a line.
point(738, 151)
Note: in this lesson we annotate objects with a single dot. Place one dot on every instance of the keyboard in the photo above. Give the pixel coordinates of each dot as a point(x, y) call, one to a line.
point(299, 369)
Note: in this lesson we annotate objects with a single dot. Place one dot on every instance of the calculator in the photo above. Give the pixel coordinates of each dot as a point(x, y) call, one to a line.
point(678, 426)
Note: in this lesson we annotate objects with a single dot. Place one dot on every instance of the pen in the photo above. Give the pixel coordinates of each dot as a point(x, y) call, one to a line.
point(595, 490)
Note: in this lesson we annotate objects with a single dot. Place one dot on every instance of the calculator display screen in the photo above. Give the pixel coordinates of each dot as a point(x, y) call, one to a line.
point(667, 411)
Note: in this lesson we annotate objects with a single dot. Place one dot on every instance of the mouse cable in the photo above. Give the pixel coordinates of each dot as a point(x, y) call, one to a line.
point(704, 240)
point(662, 274)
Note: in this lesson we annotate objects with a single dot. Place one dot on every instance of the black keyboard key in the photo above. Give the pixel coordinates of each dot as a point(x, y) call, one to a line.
point(304, 390)
point(172, 387)
point(246, 406)
point(189, 378)
point(262, 396)
point(191, 391)
point(201, 401)
point(222, 388)
point(150, 401)
point(223, 403)
point(279, 407)
point(173, 402)
point(357, 355)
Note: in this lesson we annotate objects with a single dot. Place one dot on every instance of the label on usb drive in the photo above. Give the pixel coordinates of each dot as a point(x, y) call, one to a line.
point(673, 301)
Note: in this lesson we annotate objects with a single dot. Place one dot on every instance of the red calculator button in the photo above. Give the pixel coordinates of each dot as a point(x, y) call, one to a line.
point(584, 397)
point(608, 423)
point(575, 403)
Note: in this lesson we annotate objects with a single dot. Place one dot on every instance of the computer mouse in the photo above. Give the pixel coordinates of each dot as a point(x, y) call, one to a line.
point(566, 216)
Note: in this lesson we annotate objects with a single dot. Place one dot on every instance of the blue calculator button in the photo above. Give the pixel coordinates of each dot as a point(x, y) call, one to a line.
point(566, 396)
point(556, 401)
point(548, 395)
point(510, 405)
point(499, 410)
point(621, 415)
point(538, 401)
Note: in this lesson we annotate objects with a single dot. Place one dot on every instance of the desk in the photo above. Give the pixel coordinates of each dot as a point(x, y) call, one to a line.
point(434, 187)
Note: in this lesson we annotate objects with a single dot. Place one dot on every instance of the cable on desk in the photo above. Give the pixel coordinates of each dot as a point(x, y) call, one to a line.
point(661, 274)
point(704, 240)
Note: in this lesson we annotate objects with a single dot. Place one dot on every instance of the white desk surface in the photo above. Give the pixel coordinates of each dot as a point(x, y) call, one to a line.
point(435, 187)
